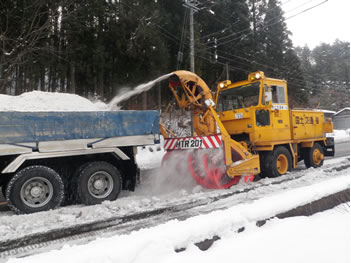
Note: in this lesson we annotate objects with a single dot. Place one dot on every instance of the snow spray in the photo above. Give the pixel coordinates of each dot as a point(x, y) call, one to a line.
point(173, 177)
point(126, 93)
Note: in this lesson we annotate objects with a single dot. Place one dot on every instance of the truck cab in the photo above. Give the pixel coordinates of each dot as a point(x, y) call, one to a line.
point(256, 113)
point(248, 109)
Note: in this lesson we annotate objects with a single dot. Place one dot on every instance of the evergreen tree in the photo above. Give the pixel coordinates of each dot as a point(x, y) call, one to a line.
point(93, 48)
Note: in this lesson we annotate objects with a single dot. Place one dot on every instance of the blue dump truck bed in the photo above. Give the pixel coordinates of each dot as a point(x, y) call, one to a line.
point(23, 127)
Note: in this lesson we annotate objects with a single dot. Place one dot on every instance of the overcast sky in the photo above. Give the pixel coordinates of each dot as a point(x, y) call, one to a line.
point(324, 23)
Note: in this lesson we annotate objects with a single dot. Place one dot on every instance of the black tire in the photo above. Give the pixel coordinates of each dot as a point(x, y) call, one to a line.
point(314, 156)
point(71, 187)
point(277, 162)
point(34, 189)
point(3, 189)
point(263, 156)
point(98, 182)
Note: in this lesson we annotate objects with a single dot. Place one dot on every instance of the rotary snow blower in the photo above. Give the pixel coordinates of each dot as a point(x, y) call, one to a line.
point(214, 160)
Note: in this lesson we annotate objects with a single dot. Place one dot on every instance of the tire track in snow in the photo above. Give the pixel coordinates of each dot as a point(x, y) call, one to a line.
point(31, 244)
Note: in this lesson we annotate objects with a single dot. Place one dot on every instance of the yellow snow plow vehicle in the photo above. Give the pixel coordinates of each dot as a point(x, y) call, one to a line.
point(246, 129)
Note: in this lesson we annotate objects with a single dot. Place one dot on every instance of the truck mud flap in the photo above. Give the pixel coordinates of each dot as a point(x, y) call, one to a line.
point(329, 149)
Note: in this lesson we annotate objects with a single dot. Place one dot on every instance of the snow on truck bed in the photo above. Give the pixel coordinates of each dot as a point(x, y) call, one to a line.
point(47, 101)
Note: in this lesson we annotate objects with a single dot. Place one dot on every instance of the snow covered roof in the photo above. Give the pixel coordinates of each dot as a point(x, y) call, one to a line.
point(340, 111)
point(328, 111)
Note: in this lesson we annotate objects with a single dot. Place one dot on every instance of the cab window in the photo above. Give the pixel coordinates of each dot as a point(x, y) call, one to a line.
point(239, 97)
point(278, 94)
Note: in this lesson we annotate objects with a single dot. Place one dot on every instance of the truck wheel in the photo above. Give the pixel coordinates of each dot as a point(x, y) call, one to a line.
point(3, 189)
point(314, 156)
point(71, 195)
point(34, 189)
point(277, 162)
point(97, 182)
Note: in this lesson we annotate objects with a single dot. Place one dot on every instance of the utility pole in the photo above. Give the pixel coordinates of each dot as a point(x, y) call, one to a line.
point(192, 45)
point(192, 5)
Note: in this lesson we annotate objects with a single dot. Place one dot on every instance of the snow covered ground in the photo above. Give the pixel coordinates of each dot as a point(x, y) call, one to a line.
point(157, 194)
point(320, 238)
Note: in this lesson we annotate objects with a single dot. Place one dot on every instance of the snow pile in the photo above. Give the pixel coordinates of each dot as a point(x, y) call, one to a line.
point(324, 237)
point(320, 238)
point(48, 101)
point(340, 135)
point(150, 157)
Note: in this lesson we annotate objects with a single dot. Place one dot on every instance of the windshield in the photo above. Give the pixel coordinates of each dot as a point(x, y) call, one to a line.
point(239, 97)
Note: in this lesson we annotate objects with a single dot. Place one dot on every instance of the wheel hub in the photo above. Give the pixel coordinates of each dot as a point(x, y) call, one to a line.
point(36, 192)
point(282, 164)
point(100, 184)
point(317, 156)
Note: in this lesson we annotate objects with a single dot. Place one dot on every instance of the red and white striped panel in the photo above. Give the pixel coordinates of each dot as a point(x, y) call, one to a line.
point(198, 142)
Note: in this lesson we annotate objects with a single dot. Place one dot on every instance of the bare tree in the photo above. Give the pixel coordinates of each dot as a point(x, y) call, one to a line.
point(26, 33)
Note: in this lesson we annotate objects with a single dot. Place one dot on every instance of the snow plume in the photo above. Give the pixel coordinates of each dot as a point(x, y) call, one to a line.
point(172, 176)
point(127, 93)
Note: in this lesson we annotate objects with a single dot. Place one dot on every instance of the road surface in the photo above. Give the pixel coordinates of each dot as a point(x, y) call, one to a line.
point(341, 149)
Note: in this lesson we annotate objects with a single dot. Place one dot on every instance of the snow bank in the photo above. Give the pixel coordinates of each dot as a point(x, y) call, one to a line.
point(48, 101)
point(150, 157)
point(340, 135)
point(323, 237)
point(157, 244)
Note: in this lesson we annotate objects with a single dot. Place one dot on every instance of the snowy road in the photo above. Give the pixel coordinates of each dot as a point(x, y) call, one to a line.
point(146, 210)
point(150, 207)
point(183, 227)
point(341, 149)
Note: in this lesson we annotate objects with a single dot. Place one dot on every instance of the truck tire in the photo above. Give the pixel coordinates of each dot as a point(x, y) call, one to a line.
point(97, 182)
point(33, 189)
point(3, 189)
point(314, 156)
point(277, 162)
point(71, 187)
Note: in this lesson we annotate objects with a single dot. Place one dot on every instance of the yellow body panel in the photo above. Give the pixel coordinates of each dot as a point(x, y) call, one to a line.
point(307, 124)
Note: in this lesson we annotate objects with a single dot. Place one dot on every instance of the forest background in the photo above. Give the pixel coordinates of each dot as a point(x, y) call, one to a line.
point(96, 48)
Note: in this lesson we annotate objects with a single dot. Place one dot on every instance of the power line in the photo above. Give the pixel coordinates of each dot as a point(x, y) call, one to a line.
point(296, 82)
point(234, 68)
point(308, 9)
point(226, 42)
point(176, 40)
point(236, 33)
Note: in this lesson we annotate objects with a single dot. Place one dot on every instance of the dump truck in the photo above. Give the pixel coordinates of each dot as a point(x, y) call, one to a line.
point(245, 129)
point(47, 158)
